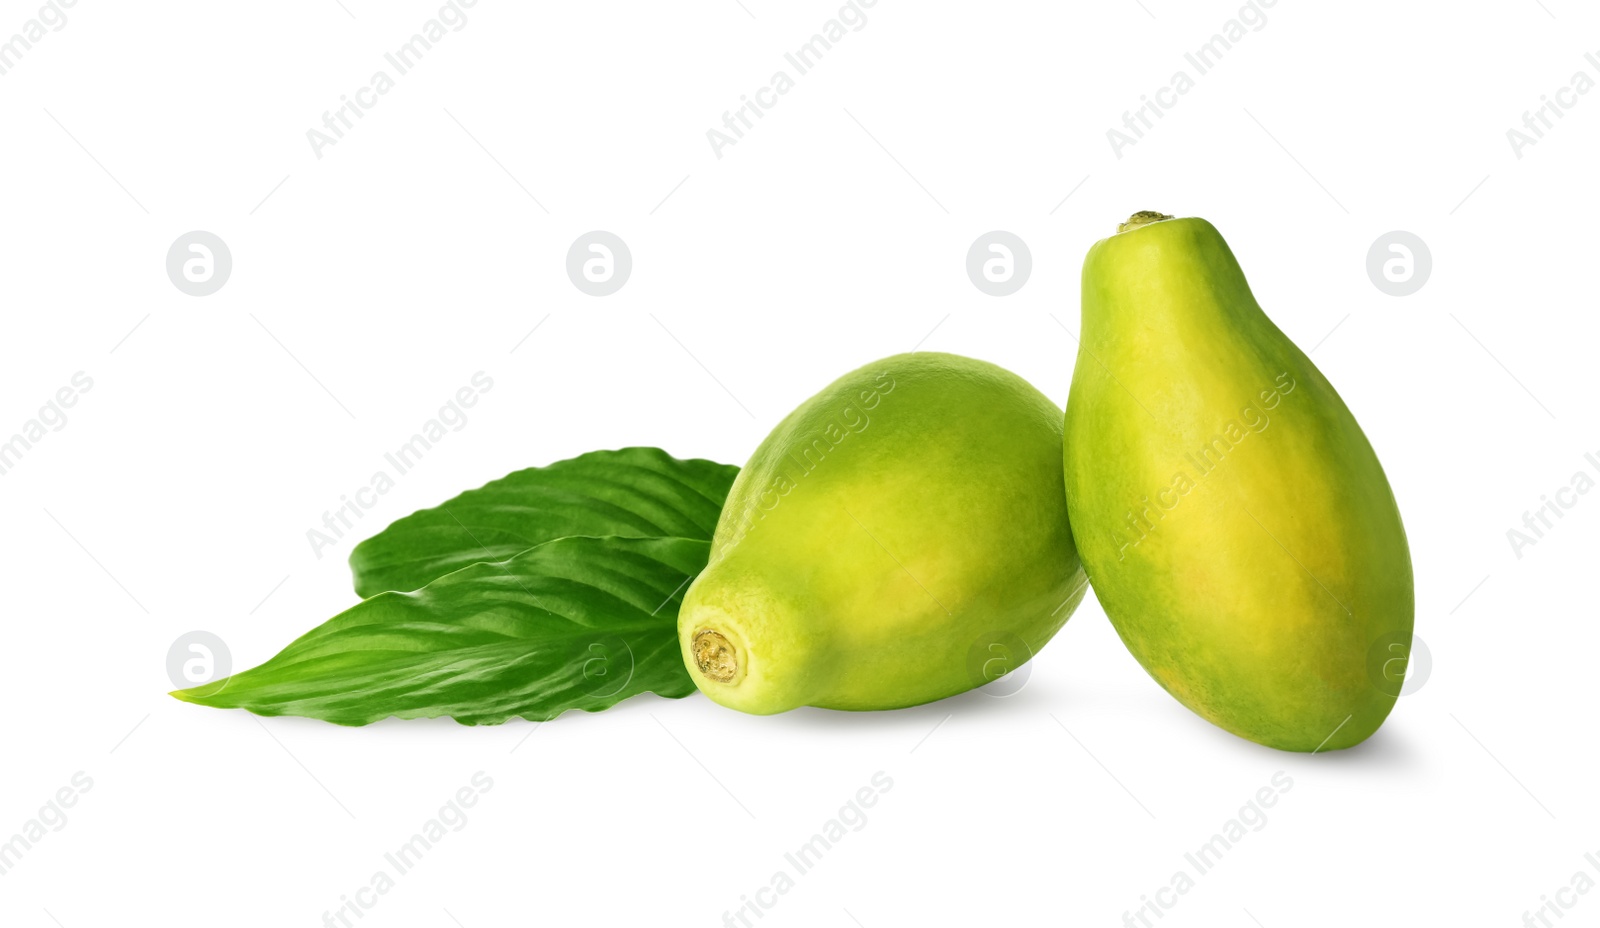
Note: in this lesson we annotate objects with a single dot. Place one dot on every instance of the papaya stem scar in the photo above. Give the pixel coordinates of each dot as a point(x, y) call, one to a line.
point(715, 656)
point(1143, 217)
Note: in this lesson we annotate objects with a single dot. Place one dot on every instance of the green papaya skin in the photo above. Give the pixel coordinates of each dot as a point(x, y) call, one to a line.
point(1233, 518)
point(891, 535)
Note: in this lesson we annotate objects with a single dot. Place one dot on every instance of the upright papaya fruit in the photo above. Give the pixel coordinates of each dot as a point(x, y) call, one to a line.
point(1232, 516)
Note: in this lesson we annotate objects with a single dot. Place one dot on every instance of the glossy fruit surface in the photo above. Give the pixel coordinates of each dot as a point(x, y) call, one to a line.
point(900, 537)
point(1232, 516)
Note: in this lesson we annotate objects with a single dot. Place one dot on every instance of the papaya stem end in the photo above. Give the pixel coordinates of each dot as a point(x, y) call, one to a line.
point(715, 656)
point(1143, 217)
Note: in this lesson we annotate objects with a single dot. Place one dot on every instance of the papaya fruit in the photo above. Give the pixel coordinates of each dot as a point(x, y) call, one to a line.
point(1234, 521)
point(896, 538)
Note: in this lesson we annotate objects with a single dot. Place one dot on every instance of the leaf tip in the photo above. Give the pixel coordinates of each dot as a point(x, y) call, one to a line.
point(198, 695)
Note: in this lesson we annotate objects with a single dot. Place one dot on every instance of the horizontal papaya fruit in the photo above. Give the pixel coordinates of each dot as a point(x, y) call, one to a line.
point(898, 538)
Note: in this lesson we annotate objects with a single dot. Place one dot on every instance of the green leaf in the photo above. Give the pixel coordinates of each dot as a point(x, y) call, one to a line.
point(577, 623)
point(634, 492)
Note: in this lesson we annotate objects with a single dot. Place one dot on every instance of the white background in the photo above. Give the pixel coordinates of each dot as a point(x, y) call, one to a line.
point(368, 285)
